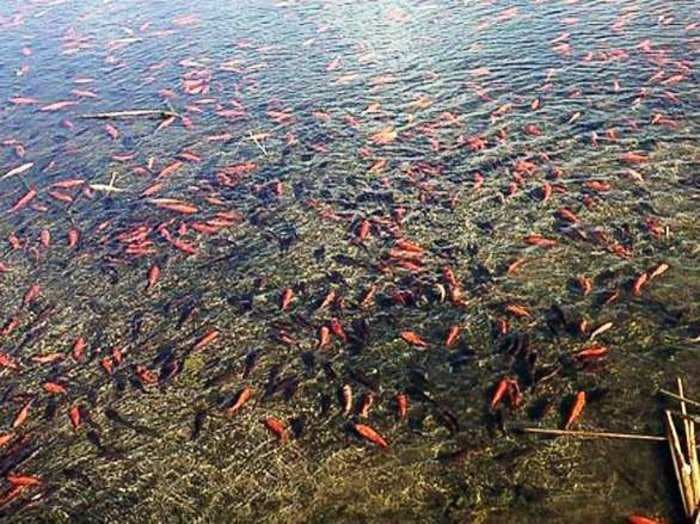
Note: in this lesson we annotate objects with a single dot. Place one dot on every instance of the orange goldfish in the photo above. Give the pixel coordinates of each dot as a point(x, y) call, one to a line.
point(371, 435)
point(576, 409)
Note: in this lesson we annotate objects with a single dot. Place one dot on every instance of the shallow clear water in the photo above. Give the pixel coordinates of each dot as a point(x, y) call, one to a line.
point(296, 125)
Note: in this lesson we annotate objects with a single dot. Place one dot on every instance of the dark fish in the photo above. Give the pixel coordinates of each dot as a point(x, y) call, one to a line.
point(112, 415)
point(448, 419)
point(251, 361)
point(198, 424)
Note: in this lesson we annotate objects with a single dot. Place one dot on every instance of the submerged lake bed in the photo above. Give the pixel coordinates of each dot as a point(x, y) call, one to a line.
point(324, 261)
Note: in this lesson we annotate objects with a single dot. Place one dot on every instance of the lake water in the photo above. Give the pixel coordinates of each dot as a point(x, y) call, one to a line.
point(317, 196)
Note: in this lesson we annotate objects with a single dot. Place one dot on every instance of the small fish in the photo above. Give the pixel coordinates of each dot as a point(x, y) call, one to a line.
point(112, 131)
point(641, 519)
point(576, 409)
point(22, 414)
point(638, 283)
point(243, 396)
point(363, 230)
point(78, 349)
point(346, 399)
point(177, 206)
point(153, 276)
point(518, 311)
point(658, 271)
point(23, 480)
point(24, 201)
point(452, 336)
point(566, 215)
point(585, 284)
point(337, 329)
point(324, 337)
point(414, 339)
point(18, 170)
point(499, 392)
point(5, 438)
point(277, 428)
point(205, 339)
point(145, 375)
point(540, 241)
point(600, 330)
point(31, 294)
point(74, 416)
point(591, 353)
point(7, 361)
point(73, 237)
point(366, 402)
point(57, 106)
point(286, 299)
point(368, 433)
point(45, 238)
point(54, 388)
point(401, 405)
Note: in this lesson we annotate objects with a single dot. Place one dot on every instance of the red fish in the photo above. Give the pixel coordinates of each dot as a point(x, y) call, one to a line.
point(73, 237)
point(638, 283)
point(576, 409)
point(566, 215)
point(5, 438)
point(177, 206)
point(45, 238)
point(585, 284)
point(112, 131)
point(170, 169)
point(78, 349)
point(453, 336)
point(24, 201)
point(337, 329)
point(366, 403)
point(153, 276)
point(411, 337)
point(540, 241)
point(363, 230)
point(286, 299)
point(658, 271)
point(206, 339)
point(324, 337)
point(594, 352)
point(368, 433)
point(74, 416)
point(22, 414)
point(7, 361)
point(23, 480)
point(401, 405)
point(277, 428)
point(500, 392)
point(145, 375)
point(518, 311)
point(243, 396)
point(108, 365)
point(54, 388)
point(31, 294)
point(640, 519)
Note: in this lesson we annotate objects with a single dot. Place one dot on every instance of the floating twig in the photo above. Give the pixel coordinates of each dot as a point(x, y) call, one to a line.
point(592, 434)
point(680, 467)
point(680, 397)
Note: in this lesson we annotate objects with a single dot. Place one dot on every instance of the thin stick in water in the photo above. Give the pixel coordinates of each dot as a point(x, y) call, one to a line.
point(592, 434)
point(680, 397)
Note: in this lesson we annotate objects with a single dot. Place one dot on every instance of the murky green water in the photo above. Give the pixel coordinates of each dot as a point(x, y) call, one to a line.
point(308, 140)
